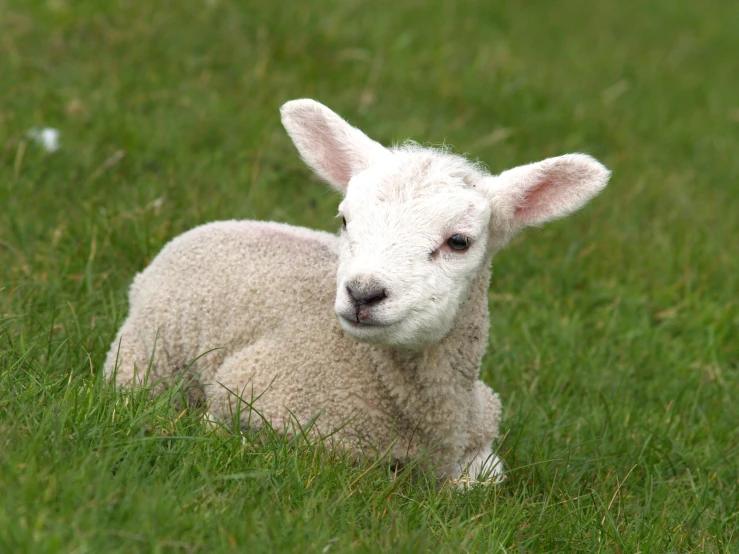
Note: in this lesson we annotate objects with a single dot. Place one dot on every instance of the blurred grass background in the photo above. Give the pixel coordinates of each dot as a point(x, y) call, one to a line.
point(614, 333)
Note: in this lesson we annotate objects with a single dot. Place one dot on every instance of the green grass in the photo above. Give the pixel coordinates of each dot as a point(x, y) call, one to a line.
point(614, 339)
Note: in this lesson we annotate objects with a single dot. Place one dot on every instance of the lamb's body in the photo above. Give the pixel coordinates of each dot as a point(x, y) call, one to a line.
point(261, 294)
point(376, 336)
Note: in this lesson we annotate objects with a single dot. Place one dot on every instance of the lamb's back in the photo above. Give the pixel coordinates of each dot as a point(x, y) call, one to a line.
point(220, 286)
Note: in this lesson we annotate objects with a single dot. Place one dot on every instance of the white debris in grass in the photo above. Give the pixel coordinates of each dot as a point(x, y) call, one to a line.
point(47, 138)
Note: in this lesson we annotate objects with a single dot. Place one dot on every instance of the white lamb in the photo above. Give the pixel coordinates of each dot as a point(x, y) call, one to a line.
point(375, 336)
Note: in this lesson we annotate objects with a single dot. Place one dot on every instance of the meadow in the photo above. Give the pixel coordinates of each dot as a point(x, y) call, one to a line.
point(614, 337)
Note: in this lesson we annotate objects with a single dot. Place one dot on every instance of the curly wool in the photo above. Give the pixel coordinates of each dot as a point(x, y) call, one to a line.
point(375, 336)
point(246, 308)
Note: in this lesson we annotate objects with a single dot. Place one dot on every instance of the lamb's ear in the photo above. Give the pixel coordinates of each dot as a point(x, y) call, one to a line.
point(335, 150)
point(539, 192)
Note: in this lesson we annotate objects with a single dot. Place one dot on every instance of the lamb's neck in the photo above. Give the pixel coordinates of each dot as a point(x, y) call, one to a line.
point(459, 354)
point(435, 390)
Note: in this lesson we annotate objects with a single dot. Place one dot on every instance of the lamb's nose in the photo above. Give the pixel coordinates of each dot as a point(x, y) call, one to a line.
point(366, 296)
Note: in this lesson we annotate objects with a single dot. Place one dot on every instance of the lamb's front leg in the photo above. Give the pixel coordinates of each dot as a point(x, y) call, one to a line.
point(484, 468)
point(480, 465)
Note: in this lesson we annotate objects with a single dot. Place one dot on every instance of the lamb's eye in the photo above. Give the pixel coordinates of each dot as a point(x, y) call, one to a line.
point(458, 242)
point(343, 222)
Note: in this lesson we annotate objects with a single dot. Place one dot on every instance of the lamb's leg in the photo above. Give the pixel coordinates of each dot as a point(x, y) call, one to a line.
point(486, 468)
point(127, 362)
point(480, 465)
point(133, 361)
point(244, 386)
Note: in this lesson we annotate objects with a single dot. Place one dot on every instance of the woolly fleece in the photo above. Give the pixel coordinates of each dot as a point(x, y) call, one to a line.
point(247, 310)
point(252, 304)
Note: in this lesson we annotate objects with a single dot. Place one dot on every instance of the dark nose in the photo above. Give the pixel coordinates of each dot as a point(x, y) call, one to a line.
point(366, 296)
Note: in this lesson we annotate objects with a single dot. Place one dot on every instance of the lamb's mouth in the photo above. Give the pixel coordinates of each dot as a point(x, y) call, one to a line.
point(366, 324)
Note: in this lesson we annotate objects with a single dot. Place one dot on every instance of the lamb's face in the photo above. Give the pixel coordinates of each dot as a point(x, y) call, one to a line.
point(418, 221)
point(415, 236)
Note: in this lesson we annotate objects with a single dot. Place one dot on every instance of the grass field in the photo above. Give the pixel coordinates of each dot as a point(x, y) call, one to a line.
point(614, 339)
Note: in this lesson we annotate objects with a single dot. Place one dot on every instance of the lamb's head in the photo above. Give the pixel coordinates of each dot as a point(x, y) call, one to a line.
point(418, 224)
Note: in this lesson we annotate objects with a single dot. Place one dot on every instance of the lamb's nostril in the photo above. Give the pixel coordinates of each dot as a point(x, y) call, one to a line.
point(366, 296)
point(374, 297)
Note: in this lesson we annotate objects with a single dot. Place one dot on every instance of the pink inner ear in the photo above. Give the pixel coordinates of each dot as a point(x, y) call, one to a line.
point(535, 204)
point(335, 159)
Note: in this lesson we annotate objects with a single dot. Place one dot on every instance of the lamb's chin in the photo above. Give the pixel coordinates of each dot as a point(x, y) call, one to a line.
point(394, 336)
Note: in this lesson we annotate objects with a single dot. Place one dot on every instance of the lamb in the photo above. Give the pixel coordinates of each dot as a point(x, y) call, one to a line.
point(374, 337)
